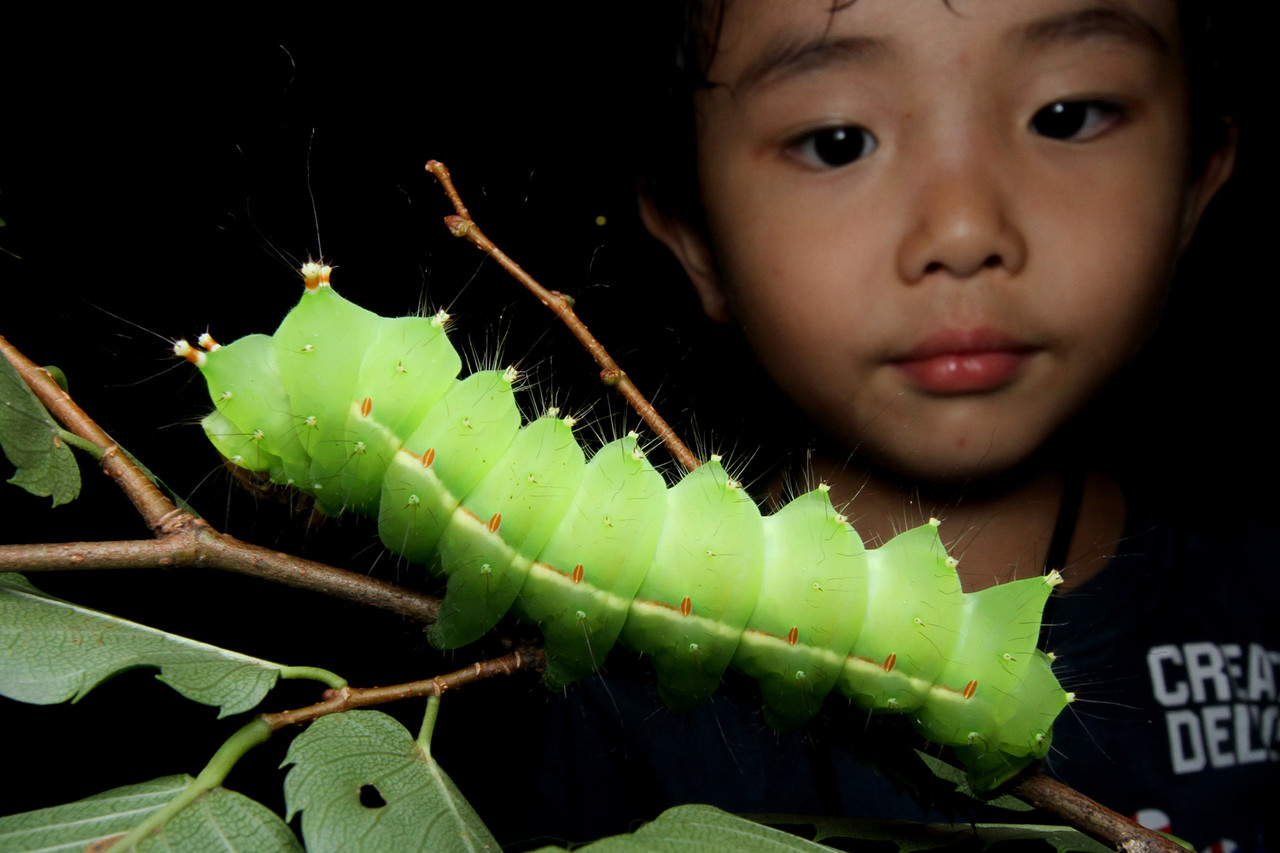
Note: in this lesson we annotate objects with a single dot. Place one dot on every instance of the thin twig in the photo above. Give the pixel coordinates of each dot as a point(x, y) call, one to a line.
point(462, 225)
point(348, 698)
point(1092, 818)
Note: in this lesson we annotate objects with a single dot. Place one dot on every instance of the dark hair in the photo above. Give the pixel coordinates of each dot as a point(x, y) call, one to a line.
point(1206, 33)
point(685, 41)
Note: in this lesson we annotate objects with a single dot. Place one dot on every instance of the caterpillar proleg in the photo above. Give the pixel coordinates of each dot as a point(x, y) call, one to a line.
point(366, 413)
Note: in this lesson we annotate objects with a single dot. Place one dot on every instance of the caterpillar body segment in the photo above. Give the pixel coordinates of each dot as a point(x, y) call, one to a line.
point(583, 600)
point(367, 413)
point(815, 565)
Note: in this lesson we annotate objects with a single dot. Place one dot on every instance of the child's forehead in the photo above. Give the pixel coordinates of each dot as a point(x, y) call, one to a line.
point(762, 39)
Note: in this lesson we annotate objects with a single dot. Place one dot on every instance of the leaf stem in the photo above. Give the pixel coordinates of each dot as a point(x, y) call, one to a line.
point(87, 446)
point(314, 673)
point(249, 736)
point(429, 723)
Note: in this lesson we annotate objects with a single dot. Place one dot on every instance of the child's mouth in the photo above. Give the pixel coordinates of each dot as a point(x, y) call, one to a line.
point(964, 361)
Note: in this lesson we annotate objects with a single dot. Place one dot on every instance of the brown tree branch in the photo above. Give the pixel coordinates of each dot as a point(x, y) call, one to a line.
point(162, 553)
point(462, 225)
point(156, 509)
point(1092, 818)
point(220, 551)
point(196, 544)
point(181, 538)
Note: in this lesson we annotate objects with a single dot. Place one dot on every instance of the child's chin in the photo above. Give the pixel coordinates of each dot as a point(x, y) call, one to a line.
point(954, 462)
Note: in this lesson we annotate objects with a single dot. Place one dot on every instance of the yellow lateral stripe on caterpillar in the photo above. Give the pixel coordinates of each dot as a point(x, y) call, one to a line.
point(367, 413)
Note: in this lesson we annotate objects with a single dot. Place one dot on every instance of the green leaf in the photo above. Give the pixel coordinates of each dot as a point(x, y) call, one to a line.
point(409, 802)
point(219, 820)
point(52, 650)
point(73, 825)
point(950, 773)
point(700, 829)
point(32, 442)
point(695, 829)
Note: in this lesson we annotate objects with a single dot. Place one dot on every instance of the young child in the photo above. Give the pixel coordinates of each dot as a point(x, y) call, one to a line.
point(943, 228)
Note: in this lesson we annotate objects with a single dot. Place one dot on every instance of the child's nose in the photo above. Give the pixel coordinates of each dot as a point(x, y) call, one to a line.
point(960, 222)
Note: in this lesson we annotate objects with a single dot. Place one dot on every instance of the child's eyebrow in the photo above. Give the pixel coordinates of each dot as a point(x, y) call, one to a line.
point(1092, 23)
point(782, 58)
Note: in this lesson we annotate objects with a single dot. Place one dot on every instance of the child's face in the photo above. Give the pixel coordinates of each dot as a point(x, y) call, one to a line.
point(943, 229)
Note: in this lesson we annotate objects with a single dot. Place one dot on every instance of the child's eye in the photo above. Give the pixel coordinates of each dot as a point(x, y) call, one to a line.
point(1075, 121)
point(833, 147)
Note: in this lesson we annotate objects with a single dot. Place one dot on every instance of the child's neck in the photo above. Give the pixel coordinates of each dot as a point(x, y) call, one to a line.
point(998, 532)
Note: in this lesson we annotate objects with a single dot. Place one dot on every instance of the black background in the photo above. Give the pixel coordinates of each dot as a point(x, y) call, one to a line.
point(158, 185)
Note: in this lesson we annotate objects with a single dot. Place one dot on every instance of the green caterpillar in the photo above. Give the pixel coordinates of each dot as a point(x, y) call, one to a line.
point(366, 413)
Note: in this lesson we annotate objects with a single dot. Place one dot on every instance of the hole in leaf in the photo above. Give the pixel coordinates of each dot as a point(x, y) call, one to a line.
point(371, 797)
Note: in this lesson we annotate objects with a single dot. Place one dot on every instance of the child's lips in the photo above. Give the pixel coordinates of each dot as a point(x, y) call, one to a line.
point(964, 361)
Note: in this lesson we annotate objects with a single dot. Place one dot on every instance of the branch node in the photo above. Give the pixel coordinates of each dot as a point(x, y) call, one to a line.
point(457, 226)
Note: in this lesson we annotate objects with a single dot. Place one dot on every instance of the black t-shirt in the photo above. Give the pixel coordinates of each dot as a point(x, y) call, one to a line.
point(1172, 649)
point(1175, 651)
